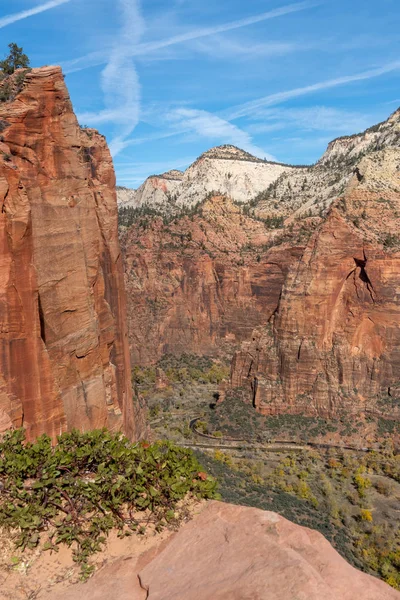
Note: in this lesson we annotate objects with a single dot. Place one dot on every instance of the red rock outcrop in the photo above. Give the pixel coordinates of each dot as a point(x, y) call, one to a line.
point(232, 553)
point(201, 284)
point(334, 343)
point(64, 359)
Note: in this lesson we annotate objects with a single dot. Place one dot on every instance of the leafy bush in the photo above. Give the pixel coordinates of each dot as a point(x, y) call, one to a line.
point(90, 483)
point(366, 515)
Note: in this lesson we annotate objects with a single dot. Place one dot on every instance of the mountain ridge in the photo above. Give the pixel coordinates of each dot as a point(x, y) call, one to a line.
point(229, 170)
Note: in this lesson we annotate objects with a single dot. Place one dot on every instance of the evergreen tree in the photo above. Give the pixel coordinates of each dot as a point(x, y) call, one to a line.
point(15, 60)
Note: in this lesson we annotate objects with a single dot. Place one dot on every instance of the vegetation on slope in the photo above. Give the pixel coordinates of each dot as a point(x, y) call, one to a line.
point(15, 61)
point(351, 497)
point(187, 368)
point(76, 492)
point(352, 500)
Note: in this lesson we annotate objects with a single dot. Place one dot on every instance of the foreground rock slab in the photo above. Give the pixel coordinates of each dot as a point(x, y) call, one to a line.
point(235, 553)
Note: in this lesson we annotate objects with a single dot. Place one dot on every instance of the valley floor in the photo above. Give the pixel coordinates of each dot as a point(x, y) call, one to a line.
point(351, 496)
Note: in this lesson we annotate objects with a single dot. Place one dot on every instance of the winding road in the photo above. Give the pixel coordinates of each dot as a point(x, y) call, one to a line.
point(275, 446)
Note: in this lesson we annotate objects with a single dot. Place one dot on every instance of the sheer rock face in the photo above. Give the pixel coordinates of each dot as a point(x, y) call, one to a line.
point(201, 285)
point(334, 342)
point(64, 359)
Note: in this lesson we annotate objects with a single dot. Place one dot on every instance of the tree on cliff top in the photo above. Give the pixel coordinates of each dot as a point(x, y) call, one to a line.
point(15, 60)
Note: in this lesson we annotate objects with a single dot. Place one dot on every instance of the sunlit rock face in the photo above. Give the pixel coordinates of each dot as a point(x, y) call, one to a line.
point(232, 553)
point(333, 343)
point(224, 170)
point(201, 285)
point(302, 285)
point(64, 359)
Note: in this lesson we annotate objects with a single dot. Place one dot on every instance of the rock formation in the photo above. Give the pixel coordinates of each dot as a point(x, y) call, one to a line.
point(305, 276)
point(64, 358)
point(311, 190)
point(224, 170)
point(231, 553)
point(158, 191)
point(201, 284)
point(333, 343)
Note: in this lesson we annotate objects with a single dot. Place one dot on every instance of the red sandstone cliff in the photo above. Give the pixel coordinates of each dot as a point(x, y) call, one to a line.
point(334, 341)
point(201, 284)
point(64, 359)
point(315, 304)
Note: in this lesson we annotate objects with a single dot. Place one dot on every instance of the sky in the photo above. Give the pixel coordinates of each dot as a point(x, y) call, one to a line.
point(165, 80)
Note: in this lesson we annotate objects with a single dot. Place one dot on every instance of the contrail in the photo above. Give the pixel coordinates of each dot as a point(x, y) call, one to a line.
point(9, 19)
point(247, 108)
point(98, 58)
point(199, 33)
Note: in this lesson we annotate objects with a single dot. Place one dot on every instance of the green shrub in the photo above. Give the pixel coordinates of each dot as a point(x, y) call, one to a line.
point(89, 483)
point(5, 92)
point(391, 240)
point(16, 59)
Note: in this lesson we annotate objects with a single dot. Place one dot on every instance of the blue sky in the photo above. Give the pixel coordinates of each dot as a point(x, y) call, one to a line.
point(165, 80)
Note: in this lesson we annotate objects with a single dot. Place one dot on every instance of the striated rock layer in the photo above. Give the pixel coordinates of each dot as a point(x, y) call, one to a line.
point(334, 342)
point(64, 359)
point(234, 553)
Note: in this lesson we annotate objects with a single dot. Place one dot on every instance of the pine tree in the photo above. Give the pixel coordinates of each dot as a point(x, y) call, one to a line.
point(15, 60)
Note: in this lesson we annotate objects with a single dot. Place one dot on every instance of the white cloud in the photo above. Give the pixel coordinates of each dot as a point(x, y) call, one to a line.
point(143, 49)
point(120, 81)
point(213, 128)
point(225, 48)
point(24, 14)
point(248, 108)
point(207, 31)
point(313, 118)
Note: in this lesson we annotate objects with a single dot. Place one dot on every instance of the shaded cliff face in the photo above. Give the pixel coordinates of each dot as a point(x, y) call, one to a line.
point(201, 284)
point(333, 343)
point(64, 358)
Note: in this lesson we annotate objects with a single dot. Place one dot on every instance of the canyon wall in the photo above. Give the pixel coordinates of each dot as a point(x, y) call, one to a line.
point(64, 359)
point(201, 284)
point(333, 344)
point(302, 286)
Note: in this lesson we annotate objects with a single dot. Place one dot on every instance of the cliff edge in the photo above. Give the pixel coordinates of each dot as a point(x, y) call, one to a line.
point(64, 359)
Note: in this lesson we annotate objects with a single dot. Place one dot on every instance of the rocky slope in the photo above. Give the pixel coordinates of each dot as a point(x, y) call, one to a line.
point(223, 170)
point(231, 553)
point(158, 192)
point(312, 189)
point(64, 358)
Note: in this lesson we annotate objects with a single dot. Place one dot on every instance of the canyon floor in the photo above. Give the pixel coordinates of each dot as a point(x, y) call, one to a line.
point(340, 477)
